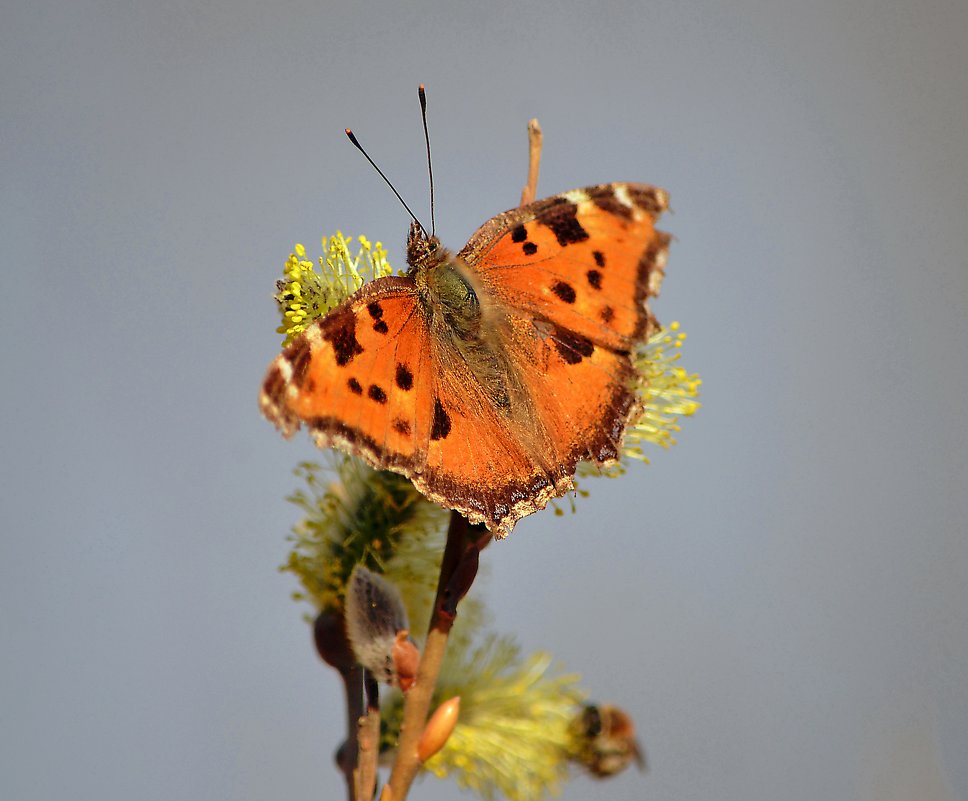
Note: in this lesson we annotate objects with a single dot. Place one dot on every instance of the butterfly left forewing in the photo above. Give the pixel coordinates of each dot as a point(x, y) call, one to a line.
point(359, 378)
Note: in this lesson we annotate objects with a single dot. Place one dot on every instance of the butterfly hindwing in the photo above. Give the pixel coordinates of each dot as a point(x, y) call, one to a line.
point(583, 395)
point(478, 461)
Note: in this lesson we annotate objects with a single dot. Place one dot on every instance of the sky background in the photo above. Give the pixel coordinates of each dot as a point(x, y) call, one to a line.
point(780, 601)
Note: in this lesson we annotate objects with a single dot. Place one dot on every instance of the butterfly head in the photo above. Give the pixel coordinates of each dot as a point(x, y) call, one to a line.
point(423, 250)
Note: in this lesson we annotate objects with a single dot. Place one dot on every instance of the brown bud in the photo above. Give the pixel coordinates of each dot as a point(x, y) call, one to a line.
point(439, 728)
point(406, 660)
point(329, 633)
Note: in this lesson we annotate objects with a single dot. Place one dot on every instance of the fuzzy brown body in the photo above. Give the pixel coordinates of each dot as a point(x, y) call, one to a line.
point(605, 741)
point(486, 376)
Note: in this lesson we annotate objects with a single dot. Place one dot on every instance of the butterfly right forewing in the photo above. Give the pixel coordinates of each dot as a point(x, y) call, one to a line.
point(588, 260)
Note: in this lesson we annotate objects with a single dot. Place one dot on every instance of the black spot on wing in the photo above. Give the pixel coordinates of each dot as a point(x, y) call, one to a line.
point(355, 387)
point(572, 347)
point(375, 309)
point(564, 291)
point(404, 378)
point(380, 326)
point(377, 394)
point(519, 234)
point(529, 248)
point(594, 279)
point(607, 314)
point(562, 219)
point(440, 429)
point(401, 427)
point(599, 257)
point(341, 334)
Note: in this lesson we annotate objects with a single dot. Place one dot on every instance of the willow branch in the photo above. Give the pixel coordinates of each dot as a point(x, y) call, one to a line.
point(535, 139)
point(368, 739)
point(358, 755)
point(329, 633)
point(347, 757)
point(457, 571)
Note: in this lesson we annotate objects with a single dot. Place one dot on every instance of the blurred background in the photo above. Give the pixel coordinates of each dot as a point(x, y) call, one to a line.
point(780, 601)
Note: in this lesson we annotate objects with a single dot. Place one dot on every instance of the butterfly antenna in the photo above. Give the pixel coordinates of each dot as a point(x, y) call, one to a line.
point(430, 167)
point(355, 141)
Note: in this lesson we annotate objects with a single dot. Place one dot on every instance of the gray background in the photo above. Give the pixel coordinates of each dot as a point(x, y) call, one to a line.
point(780, 600)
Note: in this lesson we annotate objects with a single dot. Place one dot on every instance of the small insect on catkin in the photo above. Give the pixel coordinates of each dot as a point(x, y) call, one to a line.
point(376, 624)
point(605, 736)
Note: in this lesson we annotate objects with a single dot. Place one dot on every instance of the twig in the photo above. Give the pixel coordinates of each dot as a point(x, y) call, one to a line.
point(357, 756)
point(368, 737)
point(457, 571)
point(530, 191)
point(347, 756)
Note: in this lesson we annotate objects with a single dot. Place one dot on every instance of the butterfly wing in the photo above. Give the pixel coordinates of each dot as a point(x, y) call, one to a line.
point(576, 270)
point(378, 377)
point(588, 259)
point(359, 378)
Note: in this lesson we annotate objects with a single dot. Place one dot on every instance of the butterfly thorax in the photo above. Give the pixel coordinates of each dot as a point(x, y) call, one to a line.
point(444, 286)
point(461, 317)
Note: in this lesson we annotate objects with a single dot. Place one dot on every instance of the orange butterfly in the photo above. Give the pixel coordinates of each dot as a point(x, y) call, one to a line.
point(487, 376)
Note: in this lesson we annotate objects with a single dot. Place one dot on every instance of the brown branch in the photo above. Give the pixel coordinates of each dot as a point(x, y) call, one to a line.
point(457, 571)
point(368, 738)
point(535, 138)
point(347, 756)
point(357, 756)
point(329, 633)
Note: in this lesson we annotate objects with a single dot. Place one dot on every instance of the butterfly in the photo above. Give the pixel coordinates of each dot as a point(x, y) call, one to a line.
point(485, 376)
